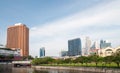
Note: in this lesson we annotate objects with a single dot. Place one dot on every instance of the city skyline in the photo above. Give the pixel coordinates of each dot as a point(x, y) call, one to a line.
point(53, 23)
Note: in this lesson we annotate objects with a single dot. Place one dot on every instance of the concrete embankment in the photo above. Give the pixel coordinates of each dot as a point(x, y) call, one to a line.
point(89, 69)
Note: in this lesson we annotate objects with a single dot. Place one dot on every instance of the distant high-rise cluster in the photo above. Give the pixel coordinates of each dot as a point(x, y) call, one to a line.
point(95, 45)
point(104, 44)
point(42, 52)
point(18, 38)
point(94, 48)
point(74, 47)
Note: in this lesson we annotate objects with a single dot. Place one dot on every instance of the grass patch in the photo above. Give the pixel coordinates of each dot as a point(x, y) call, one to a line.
point(111, 65)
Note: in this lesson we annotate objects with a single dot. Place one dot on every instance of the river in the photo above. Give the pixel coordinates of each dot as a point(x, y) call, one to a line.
point(30, 70)
point(8, 68)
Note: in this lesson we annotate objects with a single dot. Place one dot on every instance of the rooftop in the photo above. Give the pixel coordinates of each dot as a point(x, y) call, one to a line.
point(19, 24)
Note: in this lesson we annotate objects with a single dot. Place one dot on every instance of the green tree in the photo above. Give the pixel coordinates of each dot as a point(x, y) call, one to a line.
point(116, 58)
point(59, 61)
point(36, 61)
point(108, 60)
point(2, 57)
point(95, 58)
point(11, 56)
point(30, 57)
point(77, 60)
point(81, 60)
point(86, 60)
point(46, 60)
point(68, 60)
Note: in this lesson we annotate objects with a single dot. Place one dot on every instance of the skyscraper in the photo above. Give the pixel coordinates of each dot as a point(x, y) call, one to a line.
point(95, 45)
point(94, 48)
point(64, 53)
point(18, 37)
point(87, 46)
point(42, 52)
point(74, 47)
point(104, 44)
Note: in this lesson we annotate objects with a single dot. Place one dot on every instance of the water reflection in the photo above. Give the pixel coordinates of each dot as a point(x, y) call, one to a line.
point(5, 70)
point(21, 70)
point(40, 71)
point(59, 71)
point(30, 70)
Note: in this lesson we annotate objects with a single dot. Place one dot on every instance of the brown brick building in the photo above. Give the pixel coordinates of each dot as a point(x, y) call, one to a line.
point(18, 37)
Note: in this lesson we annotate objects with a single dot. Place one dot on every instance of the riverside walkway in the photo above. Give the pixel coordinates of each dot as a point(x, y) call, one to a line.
point(88, 69)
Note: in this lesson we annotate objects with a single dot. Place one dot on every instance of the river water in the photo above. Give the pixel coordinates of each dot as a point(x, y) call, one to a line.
point(30, 70)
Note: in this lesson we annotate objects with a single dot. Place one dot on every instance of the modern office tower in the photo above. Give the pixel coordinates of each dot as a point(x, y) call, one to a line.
point(18, 38)
point(87, 46)
point(95, 45)
point(74, 47)
point(94, 48)
point(42, 52)
point(64, 53)
point(104, 44)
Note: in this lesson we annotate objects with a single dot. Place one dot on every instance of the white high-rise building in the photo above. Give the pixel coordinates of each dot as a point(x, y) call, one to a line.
point(87, 46)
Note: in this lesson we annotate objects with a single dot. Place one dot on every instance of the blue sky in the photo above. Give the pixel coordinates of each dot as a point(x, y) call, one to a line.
point(53, 22)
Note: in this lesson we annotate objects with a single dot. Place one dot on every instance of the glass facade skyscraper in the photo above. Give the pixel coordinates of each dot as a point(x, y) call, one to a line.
point(104, 44)
point(42, 52)
point(74, 47)
point(64, 53)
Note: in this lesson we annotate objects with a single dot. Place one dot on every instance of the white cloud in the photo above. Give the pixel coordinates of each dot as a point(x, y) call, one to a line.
point(59, 31)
